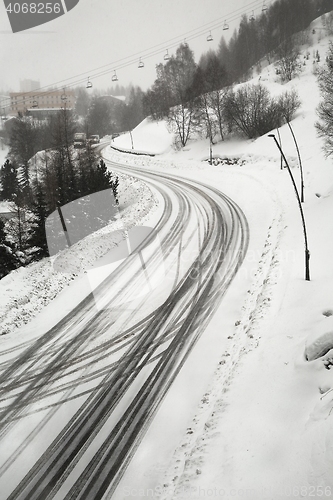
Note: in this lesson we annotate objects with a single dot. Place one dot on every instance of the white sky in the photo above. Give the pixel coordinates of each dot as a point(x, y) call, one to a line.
point(97, 33)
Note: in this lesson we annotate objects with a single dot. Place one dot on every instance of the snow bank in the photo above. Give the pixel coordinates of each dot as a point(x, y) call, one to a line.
point(27, 290)
point(149, 137)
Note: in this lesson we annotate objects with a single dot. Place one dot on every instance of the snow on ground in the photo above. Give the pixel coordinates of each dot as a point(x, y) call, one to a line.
point(150, 137)
point(262, 428)
point(27, 290)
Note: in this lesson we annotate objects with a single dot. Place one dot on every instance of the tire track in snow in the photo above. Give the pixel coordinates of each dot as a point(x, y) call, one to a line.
point(155, 355)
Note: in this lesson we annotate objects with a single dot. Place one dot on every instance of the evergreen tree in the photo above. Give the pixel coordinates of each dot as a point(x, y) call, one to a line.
point(133, 113)
point(8, 180)
point(99, 117)
point(37, 235)
point(82, 102)
point(100, 177)
point(114, 187)
point(8, 261)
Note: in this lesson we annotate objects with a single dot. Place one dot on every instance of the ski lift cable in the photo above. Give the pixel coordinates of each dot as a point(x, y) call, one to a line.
point(152, 51)
point(198, 31)
point(125, 62)
point(217, 23)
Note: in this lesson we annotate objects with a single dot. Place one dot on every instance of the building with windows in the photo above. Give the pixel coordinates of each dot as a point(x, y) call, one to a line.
point(41, 102)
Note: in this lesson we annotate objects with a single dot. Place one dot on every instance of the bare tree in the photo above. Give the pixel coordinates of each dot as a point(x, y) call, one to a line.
point(288, 65)
point(172, 94)
point(254, 112)
point(325, 109)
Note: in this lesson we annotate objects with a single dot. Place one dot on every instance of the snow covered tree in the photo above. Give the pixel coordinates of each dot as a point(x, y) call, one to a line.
point(325, 109)
point(18, 226)
point(36, 232)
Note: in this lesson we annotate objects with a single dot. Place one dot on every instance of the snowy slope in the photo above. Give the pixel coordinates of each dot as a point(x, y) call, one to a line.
point(260, 426)
point(27, 290)
point(150, 137)
point(263, 426)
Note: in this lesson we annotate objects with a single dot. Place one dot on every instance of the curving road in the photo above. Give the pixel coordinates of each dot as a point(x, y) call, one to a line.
point(76, 403)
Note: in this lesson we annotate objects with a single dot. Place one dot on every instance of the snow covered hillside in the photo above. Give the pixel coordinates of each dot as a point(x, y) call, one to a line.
point(262, 428)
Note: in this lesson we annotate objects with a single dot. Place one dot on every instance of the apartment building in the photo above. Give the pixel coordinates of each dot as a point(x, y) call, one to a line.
point(41, 101)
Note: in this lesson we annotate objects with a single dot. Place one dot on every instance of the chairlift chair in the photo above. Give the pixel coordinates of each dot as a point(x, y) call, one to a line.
point(34, 104)
point(209, 37)
point(252, 16)
point(225, 26)
point(64, 97)
point(264, 7)
point(141, 64)
point(114, 77)
point(89, 84)
point(166, 56)
point(185, 44)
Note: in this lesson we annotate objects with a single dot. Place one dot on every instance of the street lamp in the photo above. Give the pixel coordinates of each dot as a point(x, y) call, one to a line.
point(130, 132)
point(307, 253)
point(299, 161)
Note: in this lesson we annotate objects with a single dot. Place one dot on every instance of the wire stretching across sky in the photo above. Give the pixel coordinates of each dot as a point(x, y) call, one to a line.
point(154, 50)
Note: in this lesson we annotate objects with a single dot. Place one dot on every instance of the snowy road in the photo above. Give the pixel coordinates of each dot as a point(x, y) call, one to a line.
point(76, 403)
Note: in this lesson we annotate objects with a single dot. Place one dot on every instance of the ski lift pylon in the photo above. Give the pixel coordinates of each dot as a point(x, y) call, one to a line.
point(114, 77)
point(89, 84)
point(209, 37)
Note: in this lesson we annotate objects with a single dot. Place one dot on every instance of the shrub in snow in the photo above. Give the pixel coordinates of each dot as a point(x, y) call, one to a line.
point(253, 111)
point(325, 109)
point(288, 66)
point(288, 103)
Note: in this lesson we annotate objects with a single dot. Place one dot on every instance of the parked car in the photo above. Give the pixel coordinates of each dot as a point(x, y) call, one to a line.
point(79, 140)
point(94, 139)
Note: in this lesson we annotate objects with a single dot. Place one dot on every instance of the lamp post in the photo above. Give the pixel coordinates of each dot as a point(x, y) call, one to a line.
point(307, 252)
point(299, 160)
point(281, 162)
point(131, 139)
